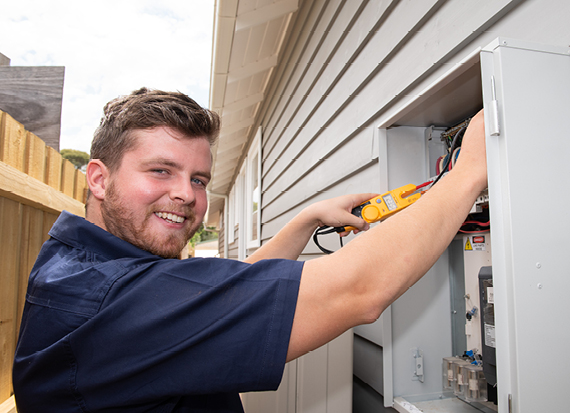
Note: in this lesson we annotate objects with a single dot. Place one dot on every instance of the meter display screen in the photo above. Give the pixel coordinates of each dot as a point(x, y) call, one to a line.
point(390, 203)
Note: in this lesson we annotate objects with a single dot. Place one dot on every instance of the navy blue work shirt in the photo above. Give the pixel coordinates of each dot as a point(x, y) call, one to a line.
point(108, 327)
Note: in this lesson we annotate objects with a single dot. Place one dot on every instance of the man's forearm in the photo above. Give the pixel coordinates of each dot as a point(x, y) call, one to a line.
point(292, 239)
point(289, 242)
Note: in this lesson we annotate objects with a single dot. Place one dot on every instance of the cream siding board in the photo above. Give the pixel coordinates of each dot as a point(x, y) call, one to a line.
point(361, 181)
point(296, 36)
point(317, 74)
point(284, 89)
point(329, 177)
point(303, 99)
point(314, 381)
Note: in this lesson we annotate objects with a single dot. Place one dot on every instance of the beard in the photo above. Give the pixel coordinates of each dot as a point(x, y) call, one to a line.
point(123, 223)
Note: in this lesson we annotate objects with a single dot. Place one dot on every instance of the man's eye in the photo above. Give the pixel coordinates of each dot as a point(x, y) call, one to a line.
point(159, 171)
point(198, 181)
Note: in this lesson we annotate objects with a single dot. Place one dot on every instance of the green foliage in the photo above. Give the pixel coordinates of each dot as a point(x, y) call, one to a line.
point(77, 158)
point(204, 234)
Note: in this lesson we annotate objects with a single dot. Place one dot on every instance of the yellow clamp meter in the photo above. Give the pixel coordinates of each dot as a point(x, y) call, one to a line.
point(385, 205)
point(378, 209)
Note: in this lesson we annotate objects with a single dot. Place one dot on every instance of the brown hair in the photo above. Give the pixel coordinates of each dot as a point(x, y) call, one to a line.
point(144, 109)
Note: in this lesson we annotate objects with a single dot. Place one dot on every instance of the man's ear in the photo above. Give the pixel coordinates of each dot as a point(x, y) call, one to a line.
point(97, 175)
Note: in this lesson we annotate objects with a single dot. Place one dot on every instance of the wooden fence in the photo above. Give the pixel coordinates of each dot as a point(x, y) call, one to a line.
point(36, 184)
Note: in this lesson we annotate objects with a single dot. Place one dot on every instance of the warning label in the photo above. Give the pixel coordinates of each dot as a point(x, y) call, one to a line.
point(475, 243)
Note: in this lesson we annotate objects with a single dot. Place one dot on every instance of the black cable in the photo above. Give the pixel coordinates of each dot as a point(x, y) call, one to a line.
point(454, 146)
point(322, 231)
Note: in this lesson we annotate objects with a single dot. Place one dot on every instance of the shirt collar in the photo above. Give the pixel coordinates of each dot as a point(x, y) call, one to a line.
point(80, 233)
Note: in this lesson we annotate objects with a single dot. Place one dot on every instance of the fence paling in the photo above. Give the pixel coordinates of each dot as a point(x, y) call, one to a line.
point(36, 184)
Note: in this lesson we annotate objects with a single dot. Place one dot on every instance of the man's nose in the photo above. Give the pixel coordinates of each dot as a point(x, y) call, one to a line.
point(183, 192)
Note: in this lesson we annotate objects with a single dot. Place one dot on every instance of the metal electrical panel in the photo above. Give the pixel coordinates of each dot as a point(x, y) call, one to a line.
point(526, 161)
point(526, 97)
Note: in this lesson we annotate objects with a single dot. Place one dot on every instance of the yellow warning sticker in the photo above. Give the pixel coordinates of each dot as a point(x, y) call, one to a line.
point(468, 246)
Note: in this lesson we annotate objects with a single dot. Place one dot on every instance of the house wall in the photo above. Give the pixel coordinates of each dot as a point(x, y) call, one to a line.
point(348, 63)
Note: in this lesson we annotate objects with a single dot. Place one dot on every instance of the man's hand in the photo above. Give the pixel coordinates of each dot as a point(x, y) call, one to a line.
point(292, 239)
point(336, 212)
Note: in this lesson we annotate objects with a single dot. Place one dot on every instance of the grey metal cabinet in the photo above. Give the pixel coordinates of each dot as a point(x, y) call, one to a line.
point(525, 90)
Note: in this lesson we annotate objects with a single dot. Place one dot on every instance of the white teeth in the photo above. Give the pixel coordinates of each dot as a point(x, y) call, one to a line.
point(170, 217)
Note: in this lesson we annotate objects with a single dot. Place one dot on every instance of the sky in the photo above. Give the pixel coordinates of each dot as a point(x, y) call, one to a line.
point(110, 48)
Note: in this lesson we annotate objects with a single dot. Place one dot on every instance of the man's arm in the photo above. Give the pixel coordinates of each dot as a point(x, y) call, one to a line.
point(290, 241)
point(355, 284)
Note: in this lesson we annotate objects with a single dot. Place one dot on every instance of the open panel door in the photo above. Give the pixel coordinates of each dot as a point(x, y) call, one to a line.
point(526, 92)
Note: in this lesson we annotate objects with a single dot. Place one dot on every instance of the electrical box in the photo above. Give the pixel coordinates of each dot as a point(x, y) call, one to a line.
point(504, 301)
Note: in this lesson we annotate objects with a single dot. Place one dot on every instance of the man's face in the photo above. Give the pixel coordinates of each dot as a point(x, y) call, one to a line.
point(156, 199)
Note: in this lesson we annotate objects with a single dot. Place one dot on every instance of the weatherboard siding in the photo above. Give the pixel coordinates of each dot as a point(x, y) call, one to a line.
point(347, 63)
point(334, 80)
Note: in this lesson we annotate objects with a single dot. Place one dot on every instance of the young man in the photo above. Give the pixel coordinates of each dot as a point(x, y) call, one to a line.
point(113, 324)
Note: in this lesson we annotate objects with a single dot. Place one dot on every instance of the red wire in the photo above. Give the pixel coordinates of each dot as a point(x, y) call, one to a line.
point(483, 224)
point(424, 184)
point(473, 232)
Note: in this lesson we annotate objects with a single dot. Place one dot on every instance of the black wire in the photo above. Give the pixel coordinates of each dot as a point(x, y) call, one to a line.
point(454, 146)
point(322, 231)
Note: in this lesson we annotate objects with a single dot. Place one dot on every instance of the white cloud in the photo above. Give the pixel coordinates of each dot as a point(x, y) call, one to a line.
point(110, 48)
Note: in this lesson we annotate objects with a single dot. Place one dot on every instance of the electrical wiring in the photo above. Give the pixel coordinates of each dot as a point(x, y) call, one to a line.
point(439, 164)
point(454, 157)
point(477, 222)
point(454, 145)
point(483, 224)
point(322, 231)
point(479, 227)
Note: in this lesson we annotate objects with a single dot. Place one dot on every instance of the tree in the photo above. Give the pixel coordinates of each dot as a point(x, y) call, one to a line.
point(203, 234)
point(78, 158)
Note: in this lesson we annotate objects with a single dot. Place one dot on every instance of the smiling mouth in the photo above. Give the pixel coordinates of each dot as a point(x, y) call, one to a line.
point(169, 217)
